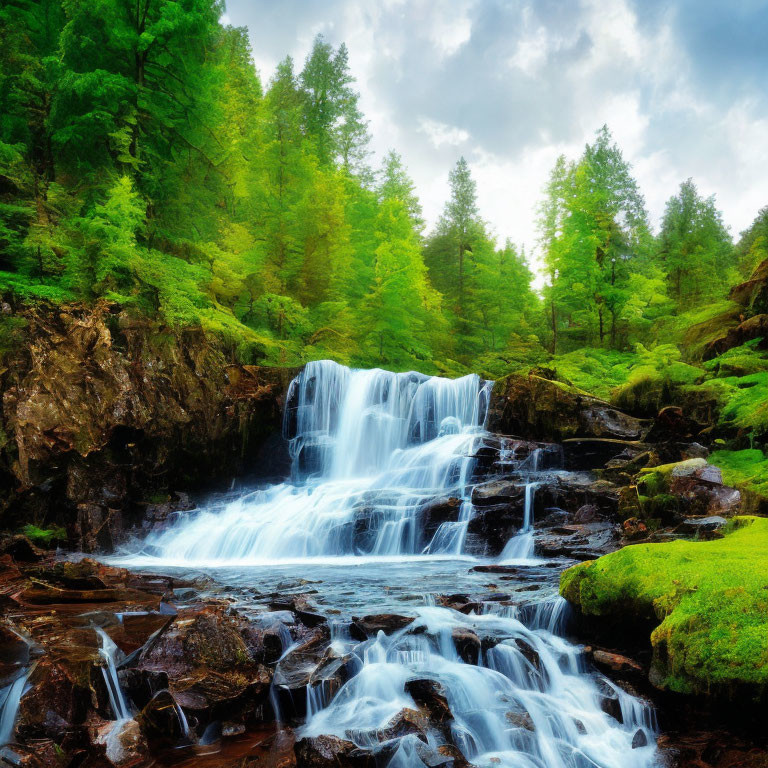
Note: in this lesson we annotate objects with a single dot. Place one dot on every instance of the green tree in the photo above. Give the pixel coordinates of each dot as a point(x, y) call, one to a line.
point(694, 248)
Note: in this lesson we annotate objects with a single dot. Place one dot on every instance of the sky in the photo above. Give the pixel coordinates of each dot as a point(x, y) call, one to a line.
point(510, 85)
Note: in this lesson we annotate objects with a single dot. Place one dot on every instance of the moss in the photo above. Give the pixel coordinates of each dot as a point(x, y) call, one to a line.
point(44, 536)
point(710, 600)
point(746, 470)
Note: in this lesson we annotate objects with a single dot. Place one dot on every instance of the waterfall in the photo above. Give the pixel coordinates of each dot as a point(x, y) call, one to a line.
point(369, 448)
point(527, 702)
point(10, 699)
point(117, 700)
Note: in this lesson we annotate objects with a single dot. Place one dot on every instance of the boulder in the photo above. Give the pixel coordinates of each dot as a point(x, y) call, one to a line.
point(369, 626)
point(124, 743)
point(331, 752)
point(163, 722)
point(536, 408)
point(430, 696)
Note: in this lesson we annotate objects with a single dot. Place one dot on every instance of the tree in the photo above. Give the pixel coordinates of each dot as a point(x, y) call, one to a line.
point(594, 235)
point(332, 116)
point(694, 247)
point(394, 183)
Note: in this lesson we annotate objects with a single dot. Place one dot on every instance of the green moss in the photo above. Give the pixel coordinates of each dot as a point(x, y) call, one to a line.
point(710, 599)
point(747, 469)
point(598, 371)
point(44, 536)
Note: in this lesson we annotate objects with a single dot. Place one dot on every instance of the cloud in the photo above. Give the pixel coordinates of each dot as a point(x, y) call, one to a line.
point(510, 84)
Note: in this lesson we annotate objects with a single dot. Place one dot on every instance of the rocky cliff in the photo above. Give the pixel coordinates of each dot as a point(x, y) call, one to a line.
point(105, 417)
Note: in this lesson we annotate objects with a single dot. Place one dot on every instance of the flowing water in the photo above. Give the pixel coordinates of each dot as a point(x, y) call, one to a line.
point(10, 697)
point(370, 451)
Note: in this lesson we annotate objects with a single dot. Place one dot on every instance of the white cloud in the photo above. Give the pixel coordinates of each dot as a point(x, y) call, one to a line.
point(513, 84)
point(440, 133)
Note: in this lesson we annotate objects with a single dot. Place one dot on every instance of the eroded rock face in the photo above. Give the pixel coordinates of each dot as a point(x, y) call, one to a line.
point(538, 409)
point(104, 411)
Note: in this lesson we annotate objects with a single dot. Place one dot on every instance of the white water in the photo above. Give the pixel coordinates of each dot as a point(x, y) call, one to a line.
point(370, 448)
point(10, 698)
point(117, 701)
point(492, 702)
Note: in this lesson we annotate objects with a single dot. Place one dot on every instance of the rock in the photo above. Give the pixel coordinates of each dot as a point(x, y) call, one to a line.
point(609, 700)
point(331, 752)
point(99, 407)
point(407, 722)
point(701, 525)
point(430, 696)
point(162, 721)
point(431, 516)
point(617, 665)
point(589, 540)
point(520, 720)
point(536, 408)
point(672, 425)
point(467, 644)
point(21, 549)
point(369, 626)
point(634, 529)
point(581, 454)
point(124, 743)
point(639, 739)
point(753, 328)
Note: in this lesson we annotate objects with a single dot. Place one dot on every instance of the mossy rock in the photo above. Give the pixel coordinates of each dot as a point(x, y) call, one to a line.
point(709, 601)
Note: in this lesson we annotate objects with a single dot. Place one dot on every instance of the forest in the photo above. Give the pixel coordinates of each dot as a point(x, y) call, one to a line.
point(144, 162)
point(229, 338)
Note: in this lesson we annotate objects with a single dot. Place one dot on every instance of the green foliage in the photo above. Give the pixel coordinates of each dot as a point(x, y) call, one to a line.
point(710, 601)
point(44, 536)
point(695, 248)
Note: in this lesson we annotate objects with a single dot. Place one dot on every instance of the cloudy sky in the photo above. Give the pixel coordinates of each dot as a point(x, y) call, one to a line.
point(682, 84)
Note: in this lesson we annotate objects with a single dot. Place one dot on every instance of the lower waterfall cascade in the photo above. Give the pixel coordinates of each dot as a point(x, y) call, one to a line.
point(369, 450)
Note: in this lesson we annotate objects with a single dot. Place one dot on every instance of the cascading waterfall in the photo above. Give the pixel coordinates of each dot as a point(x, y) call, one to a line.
point(527, 702)
point(369, 448)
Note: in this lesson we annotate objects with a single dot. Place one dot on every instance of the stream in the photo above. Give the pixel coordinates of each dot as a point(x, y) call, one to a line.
point(370, 450)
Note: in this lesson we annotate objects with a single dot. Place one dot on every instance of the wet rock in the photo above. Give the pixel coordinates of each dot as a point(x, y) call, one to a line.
point(162, 721)
point(331, 752)
point(700, 526)
point(407, 722)
point(431, 516)
point(369, 626)
point(520, 720)
point(124, 743)
point(21, 549)
point(58, 699)
point(581, 454)
point(430, 696)
point(639, 739)
point(617, 665)
point(585, 541)
point(467, 644)
point(609, 699)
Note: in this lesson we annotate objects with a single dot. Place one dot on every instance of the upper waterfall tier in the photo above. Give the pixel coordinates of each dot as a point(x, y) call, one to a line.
point(369, 449)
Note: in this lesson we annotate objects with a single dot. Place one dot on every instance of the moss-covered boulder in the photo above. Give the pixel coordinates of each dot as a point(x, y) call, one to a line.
point(707, 602)
point(534, 407)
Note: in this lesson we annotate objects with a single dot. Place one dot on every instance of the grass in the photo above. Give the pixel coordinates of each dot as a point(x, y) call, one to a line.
point(710, 599)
